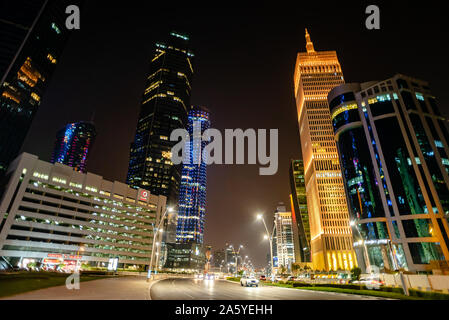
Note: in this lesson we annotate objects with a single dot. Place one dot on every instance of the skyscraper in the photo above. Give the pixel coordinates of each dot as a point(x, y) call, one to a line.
point(300, 215)
point(32, 38)
point(285, 252)
point(164, 108)
point(192, 195)
point(73, 143)
point(316, 73)
point(394, 152)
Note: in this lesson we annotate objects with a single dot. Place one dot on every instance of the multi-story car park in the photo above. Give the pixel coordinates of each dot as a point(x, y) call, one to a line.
point(54, 215)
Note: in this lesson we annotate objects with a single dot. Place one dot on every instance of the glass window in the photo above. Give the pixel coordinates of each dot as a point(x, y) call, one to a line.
point(424, 252)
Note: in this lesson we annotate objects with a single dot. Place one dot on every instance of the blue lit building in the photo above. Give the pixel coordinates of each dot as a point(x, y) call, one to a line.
point(393, 147)
point(72, 145)
point(192, 195)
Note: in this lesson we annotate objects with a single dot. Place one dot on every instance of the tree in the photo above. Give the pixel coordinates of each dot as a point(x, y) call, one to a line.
point(296, 267)
point(283, 270)
point(355, 273)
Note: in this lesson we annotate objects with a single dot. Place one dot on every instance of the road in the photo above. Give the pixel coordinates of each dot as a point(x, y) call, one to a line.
point(136, 288)
point(190, 289)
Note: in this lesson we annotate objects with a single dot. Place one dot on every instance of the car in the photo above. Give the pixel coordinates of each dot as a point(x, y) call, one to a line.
point(249, 281)
point(262, 278)
point(368, 281)
point(291, 278)
point(209, 276)
point(199, 276)
point(278, 278)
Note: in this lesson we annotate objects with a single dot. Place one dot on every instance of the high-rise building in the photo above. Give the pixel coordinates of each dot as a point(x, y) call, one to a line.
point(394, 151)
point(285, 252)
point(53, 215)
point(32, 38)
point(300, 215)
point(73, 143)
point(316, 73)
point(192, 195)
point(165, 104)
point(219, 258)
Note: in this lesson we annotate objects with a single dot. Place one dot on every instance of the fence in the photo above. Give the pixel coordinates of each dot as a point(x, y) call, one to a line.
point(436, 283)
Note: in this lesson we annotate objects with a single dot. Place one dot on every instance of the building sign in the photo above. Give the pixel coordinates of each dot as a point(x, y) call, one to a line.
point(63, 256)
point(112, 265)
point(144, 195)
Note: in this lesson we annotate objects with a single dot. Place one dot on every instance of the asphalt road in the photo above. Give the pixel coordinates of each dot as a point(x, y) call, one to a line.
point(190, 289)
point(136, 288)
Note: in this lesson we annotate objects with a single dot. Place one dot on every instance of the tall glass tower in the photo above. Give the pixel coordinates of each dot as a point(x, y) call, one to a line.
point(164, 108)
point(394, 151)
point(300, 215)
point(72, 145)
point(192, 195)
point(316, 73)
point(32, 38)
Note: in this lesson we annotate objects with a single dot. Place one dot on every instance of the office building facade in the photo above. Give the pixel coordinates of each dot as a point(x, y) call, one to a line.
point(285, 247)
point(393, 145)
point(192, 195)
point(55, 215)
point(316, 73)
point(300, 215)
point(32, 38)
point(165, 104)
point(185, 257)
point(72, 145)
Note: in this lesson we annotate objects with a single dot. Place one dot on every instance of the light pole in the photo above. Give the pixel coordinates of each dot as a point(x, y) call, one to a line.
point(268, 237)
point(155, 231)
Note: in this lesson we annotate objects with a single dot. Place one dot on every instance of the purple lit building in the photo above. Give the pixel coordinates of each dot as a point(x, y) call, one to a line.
point(73, 143)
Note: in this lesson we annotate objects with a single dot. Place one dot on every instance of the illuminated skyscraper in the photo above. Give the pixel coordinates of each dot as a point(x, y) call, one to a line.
point(192, 195)
point(300, 215)
point(394, 151)
point(164, 108)
point(73, 143)
point(316, 73)
point(32, 38)
point(285, 252)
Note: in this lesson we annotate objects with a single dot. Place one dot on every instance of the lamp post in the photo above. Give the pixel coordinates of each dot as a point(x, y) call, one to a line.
point(268, 237)
point(155, 232)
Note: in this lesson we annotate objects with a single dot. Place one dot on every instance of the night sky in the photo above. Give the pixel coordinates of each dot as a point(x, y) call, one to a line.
point(244, 64)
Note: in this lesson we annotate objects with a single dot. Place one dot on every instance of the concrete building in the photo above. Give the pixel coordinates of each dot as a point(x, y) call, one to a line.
point(317, 73)
point(54, 215)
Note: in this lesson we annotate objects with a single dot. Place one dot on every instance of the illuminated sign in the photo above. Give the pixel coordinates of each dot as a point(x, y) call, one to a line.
point(144, 195)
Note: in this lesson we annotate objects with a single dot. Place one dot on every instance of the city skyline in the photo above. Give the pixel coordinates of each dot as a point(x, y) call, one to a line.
point(234, 99)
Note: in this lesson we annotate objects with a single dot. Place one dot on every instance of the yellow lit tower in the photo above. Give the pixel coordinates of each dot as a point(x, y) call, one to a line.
point(316, 73)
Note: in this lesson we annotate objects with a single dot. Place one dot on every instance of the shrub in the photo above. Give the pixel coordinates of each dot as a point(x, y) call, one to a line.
point(428, 295)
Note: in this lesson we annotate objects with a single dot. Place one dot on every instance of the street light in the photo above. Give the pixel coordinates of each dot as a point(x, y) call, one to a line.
point(160, 230)
point(268, 237)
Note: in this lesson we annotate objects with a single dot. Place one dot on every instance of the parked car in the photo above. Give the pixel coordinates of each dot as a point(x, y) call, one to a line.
point(262, 278)
point(291, 278)
point(249, 281)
